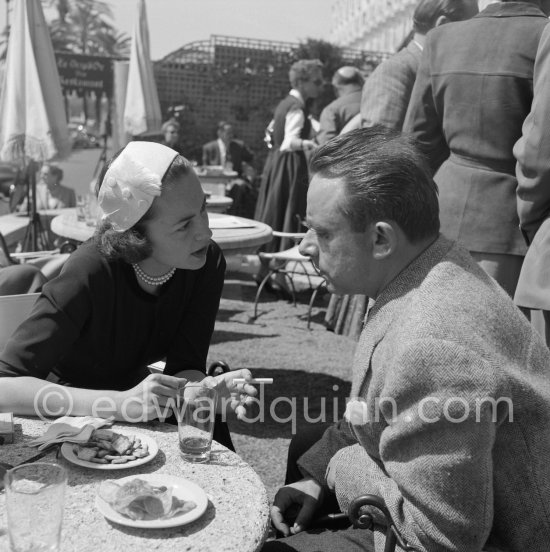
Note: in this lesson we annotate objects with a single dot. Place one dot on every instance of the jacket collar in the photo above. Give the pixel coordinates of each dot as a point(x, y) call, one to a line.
point(528, 8)
point(413, 275)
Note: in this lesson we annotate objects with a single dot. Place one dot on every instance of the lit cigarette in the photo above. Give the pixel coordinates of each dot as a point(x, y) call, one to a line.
point(253, 380)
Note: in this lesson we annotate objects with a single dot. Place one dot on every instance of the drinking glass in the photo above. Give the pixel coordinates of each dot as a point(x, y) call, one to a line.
point(34, 505)
point(196, 412)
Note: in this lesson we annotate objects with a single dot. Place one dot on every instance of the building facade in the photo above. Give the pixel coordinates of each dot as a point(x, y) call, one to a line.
point(376, 25)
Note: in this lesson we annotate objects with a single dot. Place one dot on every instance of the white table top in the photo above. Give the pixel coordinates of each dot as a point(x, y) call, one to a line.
point(236, 518)
point(233, 239)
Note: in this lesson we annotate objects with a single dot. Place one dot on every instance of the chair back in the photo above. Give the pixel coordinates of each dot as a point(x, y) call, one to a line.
point(14, 309)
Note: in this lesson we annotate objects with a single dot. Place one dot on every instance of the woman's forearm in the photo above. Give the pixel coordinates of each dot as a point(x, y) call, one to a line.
point(31, 396)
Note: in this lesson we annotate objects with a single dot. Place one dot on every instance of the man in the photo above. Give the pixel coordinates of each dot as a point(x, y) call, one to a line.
point(234, 155)
point(226, 150)
point(348, 83)
point(472, 93)
point(387, 91)
point(171, 132)
point(532, 152)
point(450, 407)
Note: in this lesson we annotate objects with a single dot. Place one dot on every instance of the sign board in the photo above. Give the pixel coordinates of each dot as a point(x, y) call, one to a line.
point(85, 74)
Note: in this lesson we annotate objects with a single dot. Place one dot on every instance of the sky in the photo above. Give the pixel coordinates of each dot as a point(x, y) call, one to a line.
point(174, 23)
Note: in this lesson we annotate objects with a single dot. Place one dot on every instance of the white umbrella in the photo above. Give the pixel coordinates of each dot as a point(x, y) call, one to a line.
point(142, 108)
point(32, 117)
point(33, 127)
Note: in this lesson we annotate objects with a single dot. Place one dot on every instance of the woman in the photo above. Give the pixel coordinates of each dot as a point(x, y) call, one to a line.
point(146, 287)
point(282, 196)
point(50, 193)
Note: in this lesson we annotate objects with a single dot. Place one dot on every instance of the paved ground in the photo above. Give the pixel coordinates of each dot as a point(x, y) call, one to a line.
point(311, 369)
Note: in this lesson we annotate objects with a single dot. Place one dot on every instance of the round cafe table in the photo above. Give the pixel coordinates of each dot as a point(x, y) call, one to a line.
point(235, 235)
point(236, 519)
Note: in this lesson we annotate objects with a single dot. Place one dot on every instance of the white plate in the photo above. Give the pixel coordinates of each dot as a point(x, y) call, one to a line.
point(182, 489)
point(68, 454)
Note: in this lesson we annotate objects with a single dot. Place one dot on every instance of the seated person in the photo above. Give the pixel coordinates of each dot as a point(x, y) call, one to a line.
point(50, 193)
point(171, 132)
point(235, 156)
point(146, 287)
point(450, 400)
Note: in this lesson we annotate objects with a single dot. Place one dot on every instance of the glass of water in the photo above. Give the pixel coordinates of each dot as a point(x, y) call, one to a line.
point(196, 412)
point(34, 504)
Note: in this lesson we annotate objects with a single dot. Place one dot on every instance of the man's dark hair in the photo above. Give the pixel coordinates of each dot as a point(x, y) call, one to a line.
point(132, 245)
point(427, 12)
point(386, 177)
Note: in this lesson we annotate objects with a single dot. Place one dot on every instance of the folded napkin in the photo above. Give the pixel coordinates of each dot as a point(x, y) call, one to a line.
point(74, 429)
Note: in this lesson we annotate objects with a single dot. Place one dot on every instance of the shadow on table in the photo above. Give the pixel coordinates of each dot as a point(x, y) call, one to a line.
point(295, 400)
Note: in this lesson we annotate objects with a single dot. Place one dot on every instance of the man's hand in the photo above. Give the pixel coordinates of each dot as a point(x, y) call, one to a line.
point(307, 494)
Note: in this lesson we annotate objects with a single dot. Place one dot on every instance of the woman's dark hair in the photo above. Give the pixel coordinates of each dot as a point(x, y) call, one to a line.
point(132, 245)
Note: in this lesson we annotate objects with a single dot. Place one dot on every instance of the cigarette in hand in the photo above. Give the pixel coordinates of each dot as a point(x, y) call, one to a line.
point(253, 380)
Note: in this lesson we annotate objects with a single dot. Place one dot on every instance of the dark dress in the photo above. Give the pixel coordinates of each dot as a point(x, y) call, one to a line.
point(283, 190)
point(95, 328)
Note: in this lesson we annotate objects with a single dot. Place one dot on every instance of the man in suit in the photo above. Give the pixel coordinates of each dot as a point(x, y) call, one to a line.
point(532, 152)
point(473, 91)
point(450, 400)
point(348, 83)
point(226, 150)
point(387, 91)
point(234, 155)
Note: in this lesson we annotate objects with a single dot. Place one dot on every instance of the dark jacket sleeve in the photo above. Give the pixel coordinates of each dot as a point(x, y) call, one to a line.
point(189, 349)
point(422, 120)
point(55, 322)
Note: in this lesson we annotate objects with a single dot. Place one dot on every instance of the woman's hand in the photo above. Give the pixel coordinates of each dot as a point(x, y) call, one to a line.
point(237, 395)
point(153, 398)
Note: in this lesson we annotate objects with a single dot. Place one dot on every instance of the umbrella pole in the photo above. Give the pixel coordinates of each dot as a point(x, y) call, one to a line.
point(36, 238)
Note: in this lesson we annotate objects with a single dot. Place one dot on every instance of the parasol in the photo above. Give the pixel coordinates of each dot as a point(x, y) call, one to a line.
point(142, 108)
point(33, 127)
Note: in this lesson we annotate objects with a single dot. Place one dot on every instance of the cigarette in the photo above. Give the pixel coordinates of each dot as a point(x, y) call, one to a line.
point(253, 380)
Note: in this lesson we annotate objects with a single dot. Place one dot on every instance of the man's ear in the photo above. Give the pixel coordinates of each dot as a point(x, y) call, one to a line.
point(384, 240)
point(441, 20)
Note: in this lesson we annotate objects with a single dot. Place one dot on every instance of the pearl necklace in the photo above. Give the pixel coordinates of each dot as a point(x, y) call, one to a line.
point(152, 280)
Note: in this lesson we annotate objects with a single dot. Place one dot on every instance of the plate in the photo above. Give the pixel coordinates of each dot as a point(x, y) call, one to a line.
point(182, 489)
point(68, 454)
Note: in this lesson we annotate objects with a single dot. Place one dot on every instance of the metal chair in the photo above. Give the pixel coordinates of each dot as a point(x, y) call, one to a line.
point(368, 512)
point(289, 263)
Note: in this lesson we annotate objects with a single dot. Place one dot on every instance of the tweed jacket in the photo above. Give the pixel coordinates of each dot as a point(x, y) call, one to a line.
point(237, 152)
point(387, 91)
point(337, 114)
point(472, 93)
point(456, 390)
point(532, 152)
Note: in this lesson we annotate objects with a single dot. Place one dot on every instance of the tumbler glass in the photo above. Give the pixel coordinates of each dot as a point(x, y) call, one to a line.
point(34, 505)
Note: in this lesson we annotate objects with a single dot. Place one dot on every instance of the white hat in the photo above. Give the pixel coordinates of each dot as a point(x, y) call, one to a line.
point(132, 182)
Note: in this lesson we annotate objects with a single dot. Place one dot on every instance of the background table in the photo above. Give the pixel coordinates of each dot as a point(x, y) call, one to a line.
point(13, 226)
point(236, 518)
point(242, 240)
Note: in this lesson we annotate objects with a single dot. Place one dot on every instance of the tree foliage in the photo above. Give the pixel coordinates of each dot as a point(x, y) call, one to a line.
point(86, 27)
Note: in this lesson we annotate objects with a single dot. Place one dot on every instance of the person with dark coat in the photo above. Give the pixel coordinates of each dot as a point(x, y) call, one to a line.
point(473, 91)
point(348, 83)
point(282, 195)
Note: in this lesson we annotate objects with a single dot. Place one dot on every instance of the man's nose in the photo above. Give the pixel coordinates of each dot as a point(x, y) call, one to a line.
point(307, 246)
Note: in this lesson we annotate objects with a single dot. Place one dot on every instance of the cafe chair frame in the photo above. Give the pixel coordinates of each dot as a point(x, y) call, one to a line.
point(368, 512)
point(288, 263)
